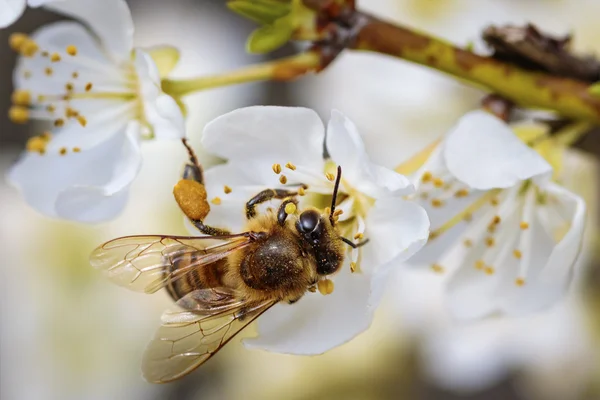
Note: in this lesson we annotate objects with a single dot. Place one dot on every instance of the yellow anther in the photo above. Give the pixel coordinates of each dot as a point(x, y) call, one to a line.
point(496, 220)
point(283, 179)
point(226, 189)
point(50, 108)
point(45, 53)
point(59, 122)
point(70, 112)
point(75, 75)
point(424, 195)
point(76, 149)
point(517, 254)
point(46, 136)
point(438, 182)
point(276, 168)
point(62, 151)
point(69, 87)
point(72, 50)
point(216, 201)
point(290, 166)
point(338, 212)
point(48, 71)
point(18, 114)
point(491, 228)
point(41, 98)
point(37, 144)
point(427, 176)
point(21, 97)
point(358, 236)
point(438, 269)
point(468, 243)
point(325, 286)
point(27, 74)
point(519, 282)
point(461, 193)
point(353, 267)
point(468, 217)
point(290, 208)
point(489, 270)
point(433, 235)
point(301, 191)
point(191, 198)
point(55, 57)
point(17, 40)
point(88, 86)
point(82, 121)
point(28, 48)
point(489, 241)
point(524, 225)
point(330, 176)
point(494, 201)
point(437, 203)
point(479, 264)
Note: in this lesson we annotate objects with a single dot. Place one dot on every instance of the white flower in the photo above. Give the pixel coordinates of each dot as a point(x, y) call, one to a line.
point(11, 10)
point(510, 234)
point(102, 96)
point(253, 140)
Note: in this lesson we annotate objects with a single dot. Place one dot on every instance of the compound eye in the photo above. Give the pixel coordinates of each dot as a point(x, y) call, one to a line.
point(308, 221)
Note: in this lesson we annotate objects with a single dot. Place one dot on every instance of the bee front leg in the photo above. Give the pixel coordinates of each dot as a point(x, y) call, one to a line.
point(209, 230)
point(266, 195)
point(287, 207)
point(192, 171)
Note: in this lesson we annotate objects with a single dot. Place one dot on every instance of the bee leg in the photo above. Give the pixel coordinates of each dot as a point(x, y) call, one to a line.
point(266, 195)
point(352, 244)
point(282, 212)
point(192, 170)
point(209, 230)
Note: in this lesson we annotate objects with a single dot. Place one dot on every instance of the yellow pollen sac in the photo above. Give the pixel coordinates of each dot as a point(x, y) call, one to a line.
point(353, 267)
point(520, 282)
point(283, 179)
point(76, 149)
point(479, 264)
point(21, 97)
point(359, 236)
point(46, 135)
point(69, 87)
point(72, 50)
point(88, 86)
point(191, 198)
point(82, 121)
point(438, 269)
point(59, 122)
point(290, 208)
point(226, 189)
point(37, 144)
point(276, 168)
point(75, 75)
point(50, 108)
point(63, 151)
point(489, 241)
point(433, 235)
point(55, 57)
point(301, 191)
point(438, 182)
point(48, 71)
point(290, 166)
point(461, 193)
point(494, 201)
point(517, 254)
point(17, 40)
point(29, 48)
point(468, 243)
point(524, 225)
point(18, 114)
point(325, 286)
point(330, 176)
point(489, 270)
point(496, 220)
point(437, 203)
point(71, 113)
point(427, 176)
point(468, 217)
point(338, 212)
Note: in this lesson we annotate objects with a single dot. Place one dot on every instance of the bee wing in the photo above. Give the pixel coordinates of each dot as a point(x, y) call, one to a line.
point(149, 263)
point(204, 321)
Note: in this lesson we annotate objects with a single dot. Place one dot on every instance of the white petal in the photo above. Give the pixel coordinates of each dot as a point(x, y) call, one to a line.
point(483, 152)
point(37, 3)
point(10, 11)
point(268, 134)
point(109, 19)
point(552, 282)
point(346, 148)
point(317, 323)
point(161, 110)
point(89, 186)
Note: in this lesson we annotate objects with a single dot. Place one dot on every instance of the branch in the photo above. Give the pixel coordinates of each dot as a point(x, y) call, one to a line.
point(568, 97)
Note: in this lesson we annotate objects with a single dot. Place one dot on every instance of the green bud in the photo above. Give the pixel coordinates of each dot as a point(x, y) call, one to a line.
point(264, 12)
point(270, 37)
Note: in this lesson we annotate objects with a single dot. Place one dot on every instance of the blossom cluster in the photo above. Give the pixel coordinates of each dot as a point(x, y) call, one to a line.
point(481, 208)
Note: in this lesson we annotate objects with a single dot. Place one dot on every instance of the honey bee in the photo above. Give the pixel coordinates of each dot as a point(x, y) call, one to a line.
point(223, 281)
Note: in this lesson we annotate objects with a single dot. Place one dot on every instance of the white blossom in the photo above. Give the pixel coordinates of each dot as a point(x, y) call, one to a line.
point(11, 10)
point(103, 97)
point(253, 140)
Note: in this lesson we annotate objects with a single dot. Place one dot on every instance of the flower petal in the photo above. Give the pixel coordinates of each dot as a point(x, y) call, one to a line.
point(10, 11)
point(346, 148)
point(109, 19)
point(87, 186)
point(316, 323)
point(483, 152)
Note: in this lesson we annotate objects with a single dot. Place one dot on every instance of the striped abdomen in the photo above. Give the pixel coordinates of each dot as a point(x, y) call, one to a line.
point(201, 277)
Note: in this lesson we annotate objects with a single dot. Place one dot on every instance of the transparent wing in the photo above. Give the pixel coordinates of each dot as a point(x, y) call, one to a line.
point(149, 263)
point(204, 321)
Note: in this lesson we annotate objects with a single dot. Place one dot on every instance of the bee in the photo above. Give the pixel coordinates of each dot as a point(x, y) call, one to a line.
point(223, 281)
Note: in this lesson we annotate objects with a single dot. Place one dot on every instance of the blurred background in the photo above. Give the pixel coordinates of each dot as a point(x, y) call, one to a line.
point(67, 333)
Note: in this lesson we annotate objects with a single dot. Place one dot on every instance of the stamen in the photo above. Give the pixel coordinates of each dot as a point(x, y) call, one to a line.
point(489, 270)
point(37, 144)
point(437, 203)
point(494, 201)
point(283, 179)
point(489, 242)
point(438, 269)
point(496, 220)
point(48, 71)
point(520, 282)
point(55, 57)
point(216, 201)
point(17, 40)
point(18, 114)
point(88, 86)
point(59, 122)
point(461, 193)
point(50, 108)
point(329, 176)
point(290, 166)
point(427, 176)
point(479, 264)
point(312, 289)
point(62, 151)
point(468, 243)
point(359, 236)
point(82, 121)
point(276, 168)
point(338, 212)
point(438, 182)
point(301, 191)
point(226, 189)
point(29, 48)
point(76, 149)
point(75, 75)
point(353, 267)
point(72, 50)
point(69, 87)
point(524, 225)
point(21, 97)
point(290, 208)
point(517, 254)
point(325, 286)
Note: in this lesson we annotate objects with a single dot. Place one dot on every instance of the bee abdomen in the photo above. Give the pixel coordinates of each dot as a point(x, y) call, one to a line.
point(200, 277)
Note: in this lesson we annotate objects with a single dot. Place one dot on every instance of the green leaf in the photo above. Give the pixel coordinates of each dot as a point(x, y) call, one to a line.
point(264, 12)
point(270, 37)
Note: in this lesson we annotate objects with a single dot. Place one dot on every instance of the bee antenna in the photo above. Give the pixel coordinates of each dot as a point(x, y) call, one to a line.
point(336, 187)
point(194, 159)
